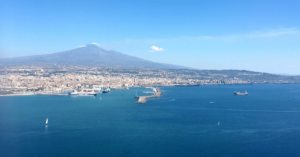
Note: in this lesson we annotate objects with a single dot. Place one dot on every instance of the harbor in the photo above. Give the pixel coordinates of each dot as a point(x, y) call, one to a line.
point(178, 110)
point(156, 93)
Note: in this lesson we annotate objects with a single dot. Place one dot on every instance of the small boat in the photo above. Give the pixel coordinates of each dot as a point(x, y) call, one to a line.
point(239, 93)
point(106, 90)
point(47, 121)
point(219, 123)
point(136, 95)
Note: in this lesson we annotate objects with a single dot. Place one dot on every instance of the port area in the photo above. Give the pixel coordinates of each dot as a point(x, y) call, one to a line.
point(156, 93)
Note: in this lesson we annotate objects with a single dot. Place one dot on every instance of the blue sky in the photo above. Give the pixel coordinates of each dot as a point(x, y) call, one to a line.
point(258, 35)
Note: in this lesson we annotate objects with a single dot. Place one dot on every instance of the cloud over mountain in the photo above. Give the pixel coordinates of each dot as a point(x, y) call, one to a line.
point(154, 48)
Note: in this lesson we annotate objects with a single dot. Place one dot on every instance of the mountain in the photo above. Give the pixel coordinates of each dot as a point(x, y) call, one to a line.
point(88, 55)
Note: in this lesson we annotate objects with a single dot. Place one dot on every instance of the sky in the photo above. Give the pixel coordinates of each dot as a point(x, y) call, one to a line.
point(256, 35)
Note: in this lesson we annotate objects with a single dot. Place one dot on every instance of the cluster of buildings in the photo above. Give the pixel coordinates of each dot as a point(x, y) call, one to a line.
point(62, 79)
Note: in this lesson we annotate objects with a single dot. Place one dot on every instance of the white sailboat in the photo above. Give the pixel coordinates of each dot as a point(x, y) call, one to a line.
point(47, 121)
point(219, 123)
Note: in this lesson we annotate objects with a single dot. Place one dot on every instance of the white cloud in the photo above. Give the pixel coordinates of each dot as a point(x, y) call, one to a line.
point(234, 37)
point(273, 33)
point(94, 43)
point(83, 46)
point(262, 35)
point(154, 48)
point(257, 34)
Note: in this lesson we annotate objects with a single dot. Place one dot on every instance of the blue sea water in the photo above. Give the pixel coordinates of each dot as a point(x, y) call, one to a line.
point(183, 122)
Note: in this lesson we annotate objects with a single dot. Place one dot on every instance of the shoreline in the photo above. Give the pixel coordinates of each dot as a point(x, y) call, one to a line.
point(144, 86)
point(17, 94)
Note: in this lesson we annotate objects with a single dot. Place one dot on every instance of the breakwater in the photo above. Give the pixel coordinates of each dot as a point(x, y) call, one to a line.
point(156, 93)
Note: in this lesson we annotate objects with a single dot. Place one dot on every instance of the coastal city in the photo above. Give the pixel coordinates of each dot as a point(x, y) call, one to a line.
point(49, 80)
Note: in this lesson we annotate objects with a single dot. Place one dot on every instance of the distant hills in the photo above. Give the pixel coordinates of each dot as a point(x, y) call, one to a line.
point(88, 55)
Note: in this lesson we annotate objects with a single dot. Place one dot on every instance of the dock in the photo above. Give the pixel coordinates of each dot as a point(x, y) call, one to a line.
point(156, 93)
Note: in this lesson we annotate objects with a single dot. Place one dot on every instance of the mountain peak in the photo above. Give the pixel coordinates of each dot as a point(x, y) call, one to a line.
point(90, 45)
point(87, 55)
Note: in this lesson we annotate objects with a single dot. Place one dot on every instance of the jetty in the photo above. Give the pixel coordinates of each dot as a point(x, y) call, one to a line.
point(156, 93)
point(148, 92)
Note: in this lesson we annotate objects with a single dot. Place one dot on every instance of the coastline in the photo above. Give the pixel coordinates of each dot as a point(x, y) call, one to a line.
point(145, 86)
point(17, 94)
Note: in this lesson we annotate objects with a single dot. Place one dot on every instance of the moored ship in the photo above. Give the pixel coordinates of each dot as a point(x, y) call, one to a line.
point(188, 84)
point(106, 90)
point(239, 93)
point(83, 92)
point(98, 90)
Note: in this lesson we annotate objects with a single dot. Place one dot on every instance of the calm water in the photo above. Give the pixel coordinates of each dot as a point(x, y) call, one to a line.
point(184, 122)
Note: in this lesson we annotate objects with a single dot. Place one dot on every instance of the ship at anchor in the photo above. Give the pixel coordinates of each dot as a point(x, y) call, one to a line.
point(239, 93)
point(83, 92)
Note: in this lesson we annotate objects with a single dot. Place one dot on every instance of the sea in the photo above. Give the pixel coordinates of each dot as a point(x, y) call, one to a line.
point(188, 121)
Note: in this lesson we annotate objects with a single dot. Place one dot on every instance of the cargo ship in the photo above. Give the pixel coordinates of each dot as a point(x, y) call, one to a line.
point(83, 92)
point(180, 85)
point(239, 93)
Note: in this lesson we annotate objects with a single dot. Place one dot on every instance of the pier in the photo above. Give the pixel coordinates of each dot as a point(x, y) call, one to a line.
point(156, 93)
point(148, 92)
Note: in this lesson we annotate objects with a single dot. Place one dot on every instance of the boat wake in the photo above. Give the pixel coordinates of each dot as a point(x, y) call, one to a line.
point(164, 101)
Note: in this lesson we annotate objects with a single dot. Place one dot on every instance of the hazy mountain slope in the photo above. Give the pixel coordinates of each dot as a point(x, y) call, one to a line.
point(88, 55)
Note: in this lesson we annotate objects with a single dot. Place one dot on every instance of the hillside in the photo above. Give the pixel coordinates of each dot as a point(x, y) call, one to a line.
point(88, 55)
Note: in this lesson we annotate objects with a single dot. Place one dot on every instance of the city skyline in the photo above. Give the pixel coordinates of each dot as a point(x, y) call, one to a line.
point(259, 36)
point(49, 79)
